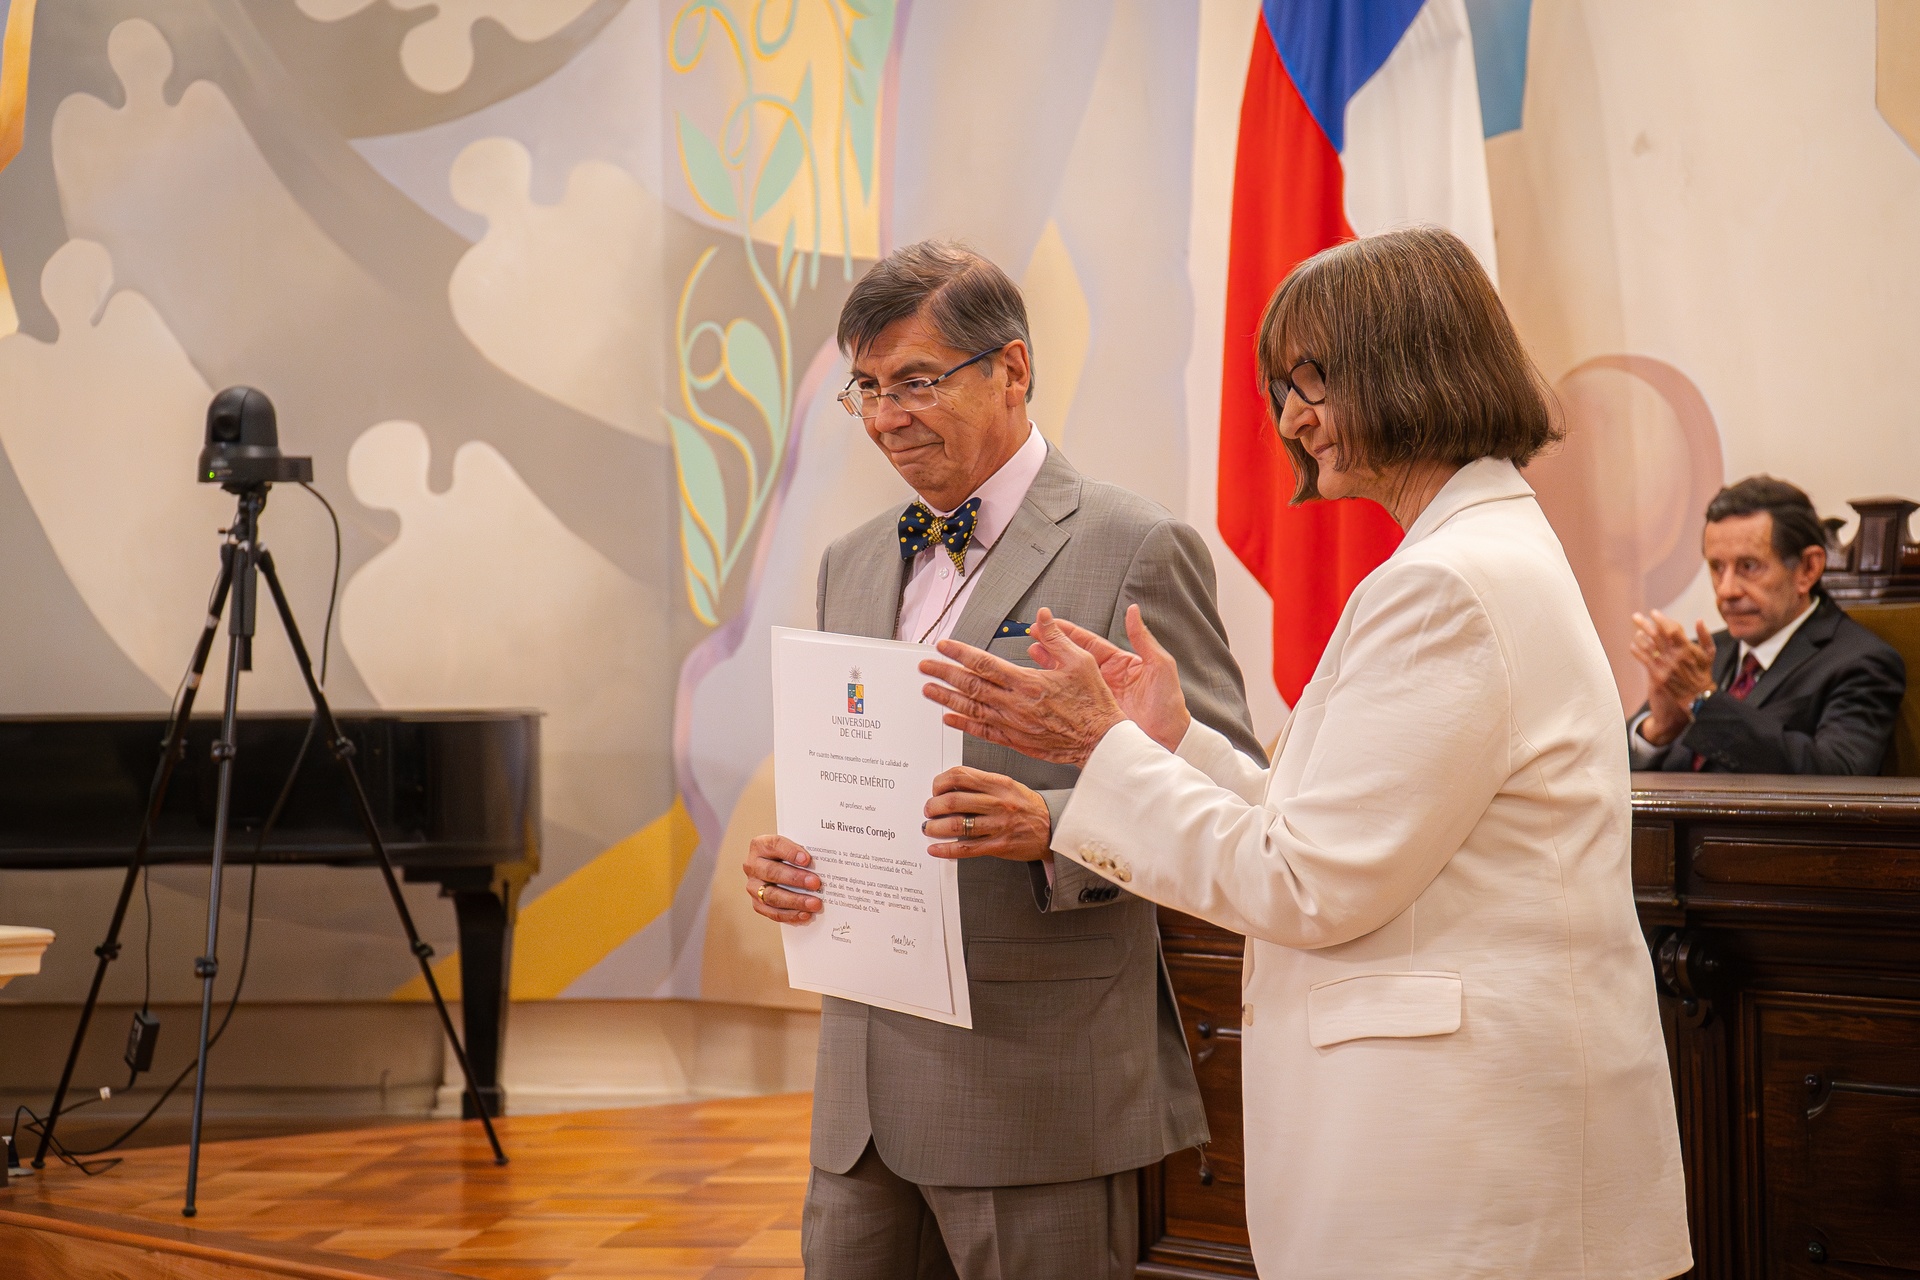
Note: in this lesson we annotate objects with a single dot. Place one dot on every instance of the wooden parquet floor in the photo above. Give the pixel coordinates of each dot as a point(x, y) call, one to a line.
point(707, 1190)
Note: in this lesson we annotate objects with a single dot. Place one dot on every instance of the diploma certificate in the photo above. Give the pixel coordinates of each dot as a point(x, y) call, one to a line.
point(856, 747)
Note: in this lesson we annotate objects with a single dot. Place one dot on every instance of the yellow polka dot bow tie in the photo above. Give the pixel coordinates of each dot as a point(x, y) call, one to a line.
point(920, 529)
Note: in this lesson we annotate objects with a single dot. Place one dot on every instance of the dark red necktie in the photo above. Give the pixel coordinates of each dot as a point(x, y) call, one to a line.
point(1742, 686)
point(1743, 683)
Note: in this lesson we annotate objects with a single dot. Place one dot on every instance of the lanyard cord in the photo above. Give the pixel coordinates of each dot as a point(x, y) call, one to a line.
point(964, 578)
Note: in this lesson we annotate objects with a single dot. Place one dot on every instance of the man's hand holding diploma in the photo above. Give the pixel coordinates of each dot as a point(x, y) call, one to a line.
point(778, 881)
point(980, 814)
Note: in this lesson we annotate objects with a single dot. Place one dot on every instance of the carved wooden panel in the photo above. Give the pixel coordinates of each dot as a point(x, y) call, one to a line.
point(1807, 866)
point(1697, 1054)
point(1194, 1222)
point(1653, 866)
point(1839, 1120)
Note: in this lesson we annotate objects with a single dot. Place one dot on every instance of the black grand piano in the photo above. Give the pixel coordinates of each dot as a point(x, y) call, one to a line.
point(456, 795)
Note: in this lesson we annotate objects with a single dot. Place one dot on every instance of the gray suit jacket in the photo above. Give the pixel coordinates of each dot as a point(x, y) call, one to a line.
point(1076, 1065)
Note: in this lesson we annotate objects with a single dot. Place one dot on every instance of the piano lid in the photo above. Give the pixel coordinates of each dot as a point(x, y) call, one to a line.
point(448, 789)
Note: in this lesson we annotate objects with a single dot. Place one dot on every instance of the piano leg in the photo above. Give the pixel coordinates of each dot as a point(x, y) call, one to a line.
point(486, 958)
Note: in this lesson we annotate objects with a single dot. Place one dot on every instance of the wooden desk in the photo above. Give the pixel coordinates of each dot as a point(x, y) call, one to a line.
point(1783, 915)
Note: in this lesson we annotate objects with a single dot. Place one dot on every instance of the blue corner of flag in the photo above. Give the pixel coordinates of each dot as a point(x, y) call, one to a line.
point(1500, 60)
point(1332, 47)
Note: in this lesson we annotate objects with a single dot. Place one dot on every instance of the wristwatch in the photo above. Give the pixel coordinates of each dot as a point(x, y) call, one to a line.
point(1693, 708)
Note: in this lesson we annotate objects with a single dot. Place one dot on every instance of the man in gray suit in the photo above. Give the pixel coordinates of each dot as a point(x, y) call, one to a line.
point(1010, 1150)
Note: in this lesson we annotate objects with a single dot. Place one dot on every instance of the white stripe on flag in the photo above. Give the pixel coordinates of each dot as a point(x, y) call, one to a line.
point(1415, 150)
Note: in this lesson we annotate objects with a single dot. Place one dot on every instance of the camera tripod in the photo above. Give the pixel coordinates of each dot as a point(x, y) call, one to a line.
point(243, 560)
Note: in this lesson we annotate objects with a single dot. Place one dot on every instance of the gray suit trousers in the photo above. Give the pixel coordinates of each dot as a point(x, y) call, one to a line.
point(869, 1223)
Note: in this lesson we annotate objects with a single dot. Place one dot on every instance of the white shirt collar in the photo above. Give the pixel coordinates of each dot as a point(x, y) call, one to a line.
point(1769, 649)
point(1002, 492)
point(1482, 480)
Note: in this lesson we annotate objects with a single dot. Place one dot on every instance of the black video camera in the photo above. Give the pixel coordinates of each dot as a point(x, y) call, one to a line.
point(243, 444)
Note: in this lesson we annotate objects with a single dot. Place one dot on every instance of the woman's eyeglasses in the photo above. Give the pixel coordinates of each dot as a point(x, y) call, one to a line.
point(1306, 379)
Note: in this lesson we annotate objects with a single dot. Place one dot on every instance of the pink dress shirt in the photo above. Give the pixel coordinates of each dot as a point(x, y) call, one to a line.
point(933, 582)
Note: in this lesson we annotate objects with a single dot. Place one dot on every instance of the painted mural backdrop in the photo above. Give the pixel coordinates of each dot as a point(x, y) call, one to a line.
point(547, 288)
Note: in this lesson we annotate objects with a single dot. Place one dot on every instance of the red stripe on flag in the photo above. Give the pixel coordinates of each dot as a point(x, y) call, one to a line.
point(1287, 206)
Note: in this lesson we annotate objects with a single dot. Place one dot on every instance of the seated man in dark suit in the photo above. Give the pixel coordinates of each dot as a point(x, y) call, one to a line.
point(1792, 685)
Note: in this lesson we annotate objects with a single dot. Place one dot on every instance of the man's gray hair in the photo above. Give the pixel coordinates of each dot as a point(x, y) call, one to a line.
point(970, 303)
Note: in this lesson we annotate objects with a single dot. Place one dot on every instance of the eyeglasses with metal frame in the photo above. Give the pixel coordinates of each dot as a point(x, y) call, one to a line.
point(1310, 386)
point(912, 395)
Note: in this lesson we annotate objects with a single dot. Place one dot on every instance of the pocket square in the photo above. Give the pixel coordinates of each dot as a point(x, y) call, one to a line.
point(1011, 628)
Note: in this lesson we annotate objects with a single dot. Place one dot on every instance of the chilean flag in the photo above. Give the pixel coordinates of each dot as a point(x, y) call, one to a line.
point(1359, 116)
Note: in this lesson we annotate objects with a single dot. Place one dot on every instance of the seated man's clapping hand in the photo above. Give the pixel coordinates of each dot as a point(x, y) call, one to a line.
point(1679, 669)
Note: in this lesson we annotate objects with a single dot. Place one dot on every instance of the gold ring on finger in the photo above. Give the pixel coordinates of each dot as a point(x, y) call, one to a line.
point(966, 827)
point(761, 893)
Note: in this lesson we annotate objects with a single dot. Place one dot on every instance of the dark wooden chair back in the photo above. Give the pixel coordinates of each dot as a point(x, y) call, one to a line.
point(1876, 579)
point(1899, 626)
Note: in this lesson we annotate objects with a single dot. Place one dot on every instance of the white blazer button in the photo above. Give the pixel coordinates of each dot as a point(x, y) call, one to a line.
point(1246, 1015)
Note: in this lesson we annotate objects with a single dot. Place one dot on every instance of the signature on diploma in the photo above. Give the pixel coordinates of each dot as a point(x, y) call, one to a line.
point(903, 944)
point(843, 932)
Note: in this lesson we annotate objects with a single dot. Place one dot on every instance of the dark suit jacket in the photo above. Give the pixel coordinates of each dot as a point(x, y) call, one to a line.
point(1826, 705)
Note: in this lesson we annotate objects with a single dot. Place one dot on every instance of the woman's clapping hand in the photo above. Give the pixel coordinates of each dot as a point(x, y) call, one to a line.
point(1085, 685)
point(1146, 682)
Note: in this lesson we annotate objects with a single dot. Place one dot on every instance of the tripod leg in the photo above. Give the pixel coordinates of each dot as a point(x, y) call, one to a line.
point(343, 752)
point(171, 751)
point(207, 967)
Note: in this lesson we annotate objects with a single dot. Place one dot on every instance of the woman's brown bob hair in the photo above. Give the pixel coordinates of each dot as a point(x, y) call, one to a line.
point(1422, 364)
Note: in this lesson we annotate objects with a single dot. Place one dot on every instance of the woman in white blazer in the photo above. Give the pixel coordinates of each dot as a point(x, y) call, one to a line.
point(1452, 1053)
